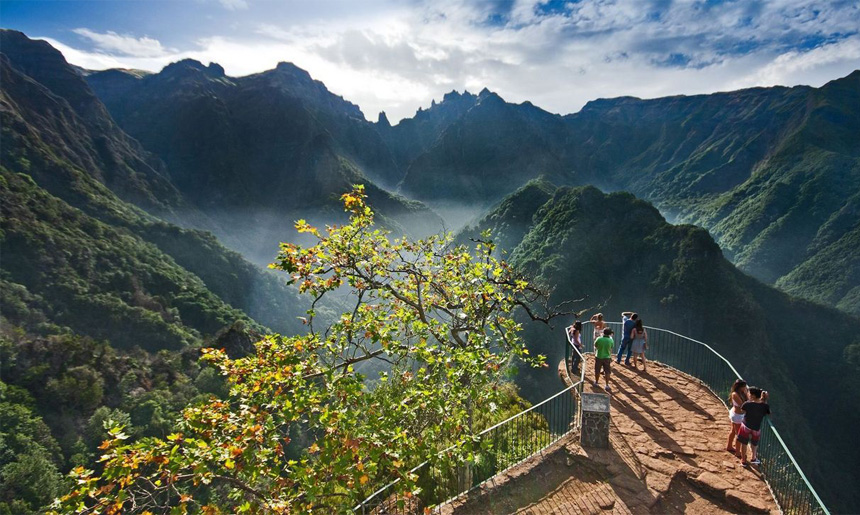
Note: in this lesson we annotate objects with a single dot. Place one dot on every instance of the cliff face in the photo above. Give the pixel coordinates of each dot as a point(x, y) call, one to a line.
point(490, 150)
point(767, 170)
point(41, 91)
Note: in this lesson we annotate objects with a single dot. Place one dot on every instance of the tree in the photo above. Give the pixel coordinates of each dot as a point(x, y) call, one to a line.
point(428, 316)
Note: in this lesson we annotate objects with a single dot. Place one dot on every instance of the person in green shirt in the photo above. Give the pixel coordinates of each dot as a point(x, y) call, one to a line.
point(603, 356)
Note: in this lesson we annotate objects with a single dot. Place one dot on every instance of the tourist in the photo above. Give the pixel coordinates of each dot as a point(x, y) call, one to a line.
point(638, 344)
point(755, 409)
point(574, 337)
point(599, 325)
point(738, 396)
point(628, 321)
point(603, 356)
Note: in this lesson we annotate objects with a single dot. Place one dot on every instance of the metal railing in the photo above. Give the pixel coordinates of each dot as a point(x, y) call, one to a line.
point(511, 441)
point(497, 449)
point(790, 487)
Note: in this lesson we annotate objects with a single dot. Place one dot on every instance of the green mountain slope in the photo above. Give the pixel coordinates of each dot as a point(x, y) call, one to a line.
point(37, 124)
point(99, 280)
point(76, 125)
point(772, 173)
point(618, 251)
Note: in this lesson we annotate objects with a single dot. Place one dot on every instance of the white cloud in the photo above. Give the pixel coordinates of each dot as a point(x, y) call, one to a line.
point(794, 66)
point(234, 5)
point(397, 59)
point(124, 45)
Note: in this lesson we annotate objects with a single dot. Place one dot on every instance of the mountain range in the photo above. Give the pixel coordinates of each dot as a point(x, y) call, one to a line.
point(772, 173)
point(136, 208)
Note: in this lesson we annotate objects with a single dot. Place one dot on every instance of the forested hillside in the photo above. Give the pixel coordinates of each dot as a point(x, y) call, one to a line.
point(104, 307)
point(621, 254)
point(772, 173)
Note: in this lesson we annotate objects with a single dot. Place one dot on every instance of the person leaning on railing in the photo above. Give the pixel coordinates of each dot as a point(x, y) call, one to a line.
point(574, 337)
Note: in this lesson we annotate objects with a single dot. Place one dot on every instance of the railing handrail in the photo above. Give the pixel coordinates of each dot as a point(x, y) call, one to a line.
point(799, 470)
point(729, 363)
point(770, 424)
point(521, 413)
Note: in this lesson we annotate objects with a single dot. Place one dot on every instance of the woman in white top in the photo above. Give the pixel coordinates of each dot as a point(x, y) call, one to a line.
point(599, 325)
point(738, 396)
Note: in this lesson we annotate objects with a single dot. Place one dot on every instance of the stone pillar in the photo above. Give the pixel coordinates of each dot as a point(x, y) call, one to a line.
point(595, 420)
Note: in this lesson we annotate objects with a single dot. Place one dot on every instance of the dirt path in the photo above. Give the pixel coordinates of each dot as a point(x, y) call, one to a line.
point(668, 455)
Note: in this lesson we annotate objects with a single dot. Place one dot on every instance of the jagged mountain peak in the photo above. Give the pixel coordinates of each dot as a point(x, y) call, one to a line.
point(383, 119)
point(454, 96)
point(852, 80)
point(487, 97)
point(192, 67)
point(15, 42)
point(297, 82)
point(117, 73)
point(46, 65)
point(292, 70)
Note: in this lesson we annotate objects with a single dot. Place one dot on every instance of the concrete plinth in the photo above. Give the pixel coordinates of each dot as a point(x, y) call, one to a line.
point(595, 420)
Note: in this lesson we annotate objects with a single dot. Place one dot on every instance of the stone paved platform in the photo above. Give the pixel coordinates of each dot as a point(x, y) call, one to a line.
point(667, 455)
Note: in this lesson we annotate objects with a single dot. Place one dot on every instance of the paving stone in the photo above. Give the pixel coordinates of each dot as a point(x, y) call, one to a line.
point(659, 482)
point(627, 482)
point(747, 503)
point(661, 466)
point(712, 483)
point(730, 465)
point(606, 504)
point(710, 467)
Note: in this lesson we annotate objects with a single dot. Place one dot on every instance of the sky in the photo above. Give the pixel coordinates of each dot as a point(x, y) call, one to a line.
point(398, 56)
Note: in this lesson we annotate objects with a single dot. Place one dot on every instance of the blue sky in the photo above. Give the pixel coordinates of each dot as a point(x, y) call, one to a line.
point(397, 56)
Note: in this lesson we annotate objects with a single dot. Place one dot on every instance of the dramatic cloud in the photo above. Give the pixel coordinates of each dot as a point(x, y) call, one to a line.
point(556, 54)
point(122, 45)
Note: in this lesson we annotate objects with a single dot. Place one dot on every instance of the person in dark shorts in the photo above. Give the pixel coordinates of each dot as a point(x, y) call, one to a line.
point(755, 409)
point(603, 356)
